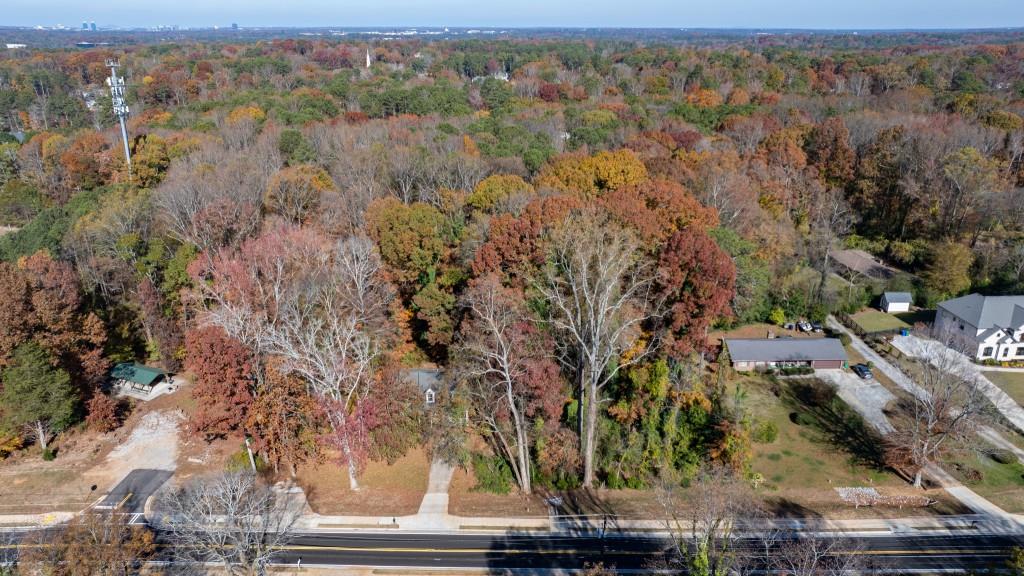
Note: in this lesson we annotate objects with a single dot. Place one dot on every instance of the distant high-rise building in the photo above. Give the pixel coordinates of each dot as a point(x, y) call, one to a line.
point(92, 26)
point(234, 26)
point(85, 25)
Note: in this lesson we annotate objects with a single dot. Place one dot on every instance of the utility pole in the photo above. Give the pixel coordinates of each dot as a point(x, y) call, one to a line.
point(120, 107)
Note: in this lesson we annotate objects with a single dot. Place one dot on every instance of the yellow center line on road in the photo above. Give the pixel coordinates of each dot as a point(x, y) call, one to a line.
point(295, 547)
point(123, 500)
point(986, 552)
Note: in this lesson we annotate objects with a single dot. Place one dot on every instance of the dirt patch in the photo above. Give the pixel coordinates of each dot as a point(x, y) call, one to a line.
point(385, 490)
point(463, 501)
point(758, 331)
point(196, 456)
point(152, 445)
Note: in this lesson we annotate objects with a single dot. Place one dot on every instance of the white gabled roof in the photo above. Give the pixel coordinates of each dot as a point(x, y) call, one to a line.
point(899, 297)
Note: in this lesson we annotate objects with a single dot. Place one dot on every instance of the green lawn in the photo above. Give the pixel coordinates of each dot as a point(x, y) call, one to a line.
point(1002, 484)
point(1011, 382)
point(821, 445)
point(871, 320)
point(925, 316)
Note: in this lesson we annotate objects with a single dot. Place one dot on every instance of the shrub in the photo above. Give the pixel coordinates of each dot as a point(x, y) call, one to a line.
point(973, 475)
point(802, 419)
point(765, 433)
point(1003, 456)
point(103, 413)
point(796, 371)
point(239, 462)
point(844, 339)
point(49, 454)
point(492, 474)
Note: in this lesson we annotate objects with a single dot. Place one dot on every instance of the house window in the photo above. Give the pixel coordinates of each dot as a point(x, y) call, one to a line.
point(430, 397)
point(1020, 350)
point(1006, 352)
point(987, 351)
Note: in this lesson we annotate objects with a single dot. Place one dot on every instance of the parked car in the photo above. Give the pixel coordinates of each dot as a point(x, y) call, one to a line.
point(789, 326)
point(817, 327)
point(863, 371)
point(804, 326)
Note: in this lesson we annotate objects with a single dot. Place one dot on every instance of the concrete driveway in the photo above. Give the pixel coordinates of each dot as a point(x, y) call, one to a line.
point(917, 347)
point(867, 397)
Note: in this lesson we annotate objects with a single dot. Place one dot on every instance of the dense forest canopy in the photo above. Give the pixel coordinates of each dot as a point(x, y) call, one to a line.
point(556, 223)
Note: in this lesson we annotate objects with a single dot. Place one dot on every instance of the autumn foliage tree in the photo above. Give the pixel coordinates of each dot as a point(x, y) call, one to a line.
point(93, 544)
point(285, 421)
point(696, 278)
point(223, 380)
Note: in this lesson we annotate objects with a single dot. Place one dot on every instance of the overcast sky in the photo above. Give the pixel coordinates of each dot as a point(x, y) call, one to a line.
point(523, 13)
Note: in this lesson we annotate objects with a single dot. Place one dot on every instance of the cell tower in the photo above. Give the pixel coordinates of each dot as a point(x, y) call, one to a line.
point(120, 107)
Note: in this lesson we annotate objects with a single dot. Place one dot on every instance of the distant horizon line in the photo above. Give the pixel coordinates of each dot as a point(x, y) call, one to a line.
point(395, 27)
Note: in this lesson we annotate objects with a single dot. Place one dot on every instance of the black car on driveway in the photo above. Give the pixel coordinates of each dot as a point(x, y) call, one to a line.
point(863, 371)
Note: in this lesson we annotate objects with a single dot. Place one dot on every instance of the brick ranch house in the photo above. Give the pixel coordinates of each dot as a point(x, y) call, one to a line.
point(759, 354)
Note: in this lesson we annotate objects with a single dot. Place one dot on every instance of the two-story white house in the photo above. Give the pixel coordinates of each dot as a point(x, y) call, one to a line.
point(990, 326)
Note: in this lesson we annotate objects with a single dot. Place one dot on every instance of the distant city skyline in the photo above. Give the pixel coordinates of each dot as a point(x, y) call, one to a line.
point(796, 14)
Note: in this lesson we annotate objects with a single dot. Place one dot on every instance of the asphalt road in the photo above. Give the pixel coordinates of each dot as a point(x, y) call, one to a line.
point(540, 552)
point(130, 494)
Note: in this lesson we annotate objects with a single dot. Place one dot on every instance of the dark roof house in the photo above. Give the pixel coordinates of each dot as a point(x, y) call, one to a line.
point(749, 353)
point(427, 380)
point(984, 312)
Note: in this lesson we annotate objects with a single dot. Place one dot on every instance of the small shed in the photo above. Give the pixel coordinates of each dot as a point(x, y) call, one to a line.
point(896, 302)
point(753, 354)
point(136, 377)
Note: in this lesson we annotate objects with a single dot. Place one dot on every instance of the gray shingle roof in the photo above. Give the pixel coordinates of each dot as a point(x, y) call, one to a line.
point(901, 297)
point(984, 312)
point(424, 378)
point(785, 349)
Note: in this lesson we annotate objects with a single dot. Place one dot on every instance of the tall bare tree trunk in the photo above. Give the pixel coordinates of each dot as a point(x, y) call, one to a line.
point(590, 432)
point(41, 434)
point(346, 449)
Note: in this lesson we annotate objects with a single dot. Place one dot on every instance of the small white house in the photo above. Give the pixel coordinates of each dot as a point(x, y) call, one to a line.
point(896, 302)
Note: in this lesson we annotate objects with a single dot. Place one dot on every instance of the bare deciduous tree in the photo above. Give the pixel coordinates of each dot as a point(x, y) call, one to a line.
point(832, 218)
point(328, 330)
point(703, 521)
point(231, 520)
point(89, 545)
point(600, 294)
point(496, 354)
point(805, 554)
point(946, 407)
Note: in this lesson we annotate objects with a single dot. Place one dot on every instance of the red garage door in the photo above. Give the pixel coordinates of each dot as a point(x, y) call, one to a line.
point(827, 364)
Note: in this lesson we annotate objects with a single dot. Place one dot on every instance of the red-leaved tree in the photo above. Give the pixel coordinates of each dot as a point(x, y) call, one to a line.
point(223, 378)
point(697, 280)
